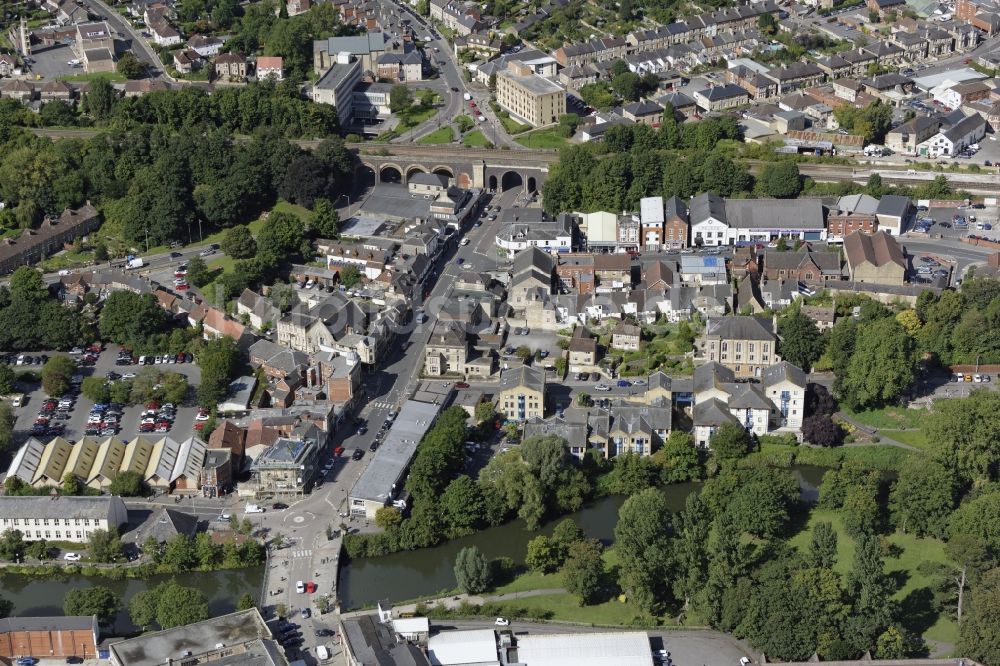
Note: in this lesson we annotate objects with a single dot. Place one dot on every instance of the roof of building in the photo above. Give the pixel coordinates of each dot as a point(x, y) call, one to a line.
point(775, 214)
point(47, 623)
point(712, 412)
point(164, 524)
point(522, 376)
point(394, 455)
point(707, 205)
point(235, 629)
point(740, 328)
point(877, 249)
point(893, 205)
point(374, 644)
point(58, 506)
point(622, 648)
point(472, 646)
point(532, 82)
point(862, 204)
point(726, 91)
point(827, 261)
point(783, 371)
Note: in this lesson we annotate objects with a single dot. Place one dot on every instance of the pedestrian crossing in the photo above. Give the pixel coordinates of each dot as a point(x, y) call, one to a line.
point(305, 552)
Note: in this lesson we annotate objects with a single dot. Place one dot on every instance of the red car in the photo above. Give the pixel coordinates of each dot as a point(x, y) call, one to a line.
point(461, 385)
point(338, 451)
point(153, 405)
point(147, 427)
point(310, 587)
point(200, 425)
point(182, 286)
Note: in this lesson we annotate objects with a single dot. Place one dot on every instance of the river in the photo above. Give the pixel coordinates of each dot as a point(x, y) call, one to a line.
point(34, 595)
point(429, 571)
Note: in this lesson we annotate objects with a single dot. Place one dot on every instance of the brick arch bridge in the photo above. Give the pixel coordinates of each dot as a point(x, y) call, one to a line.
point(497, 170)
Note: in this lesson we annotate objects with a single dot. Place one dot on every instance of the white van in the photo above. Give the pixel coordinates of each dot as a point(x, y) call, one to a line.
point(142, 360)
point(253, 508)
point(322, 653)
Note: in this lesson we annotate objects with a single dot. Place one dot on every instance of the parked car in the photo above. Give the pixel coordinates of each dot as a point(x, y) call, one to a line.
point(358, 454)
point(602, 387)
point(72, 557)
point(502, 622)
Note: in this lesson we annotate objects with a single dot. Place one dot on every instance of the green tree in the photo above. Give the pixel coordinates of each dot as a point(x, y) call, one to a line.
point(801, 343)
point(238, 242)
point(177, 605)
point(96, 600)
point(349, 276)
point(679, 458)
point(142, 608)
point(643, 543)
point(871, 590)
point(128, 484)
point(963, 434)
point(245, 602)
point(100, 99)
point(779, 179)
point(56, 375)
point(882, 367)
point(544, 554)
point(198, 273)
point(730, 441)
point(977, 638)
point(767, 24)
point(971, 557)
point(40, 550)
point(922, 499)
point(485, 412)
point(11, 545)
point(281, 237)
point(400, 99)
point(874, 187)
point(462, 506)
point(583, 572)
point(976, 517)
point(71, 484)
point(218, 360)
point(104, 546)
point(822, 553)
point(130, 66)
point(132, 319)
point(7, 379)
point(388, 517)
point(472, 570)
point(6, 426)
point(691, 548)
point(567, 532)
point(861, 509)
point(96, 389)
point(325, 223)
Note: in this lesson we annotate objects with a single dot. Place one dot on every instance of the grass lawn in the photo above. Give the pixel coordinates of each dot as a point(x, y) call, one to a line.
point(891, 418)
point(68, 260)
point(543, 139)
point(915, 438)
point(443, 135)
point(415, 117)
point(566, 608)
point(903, 569)
point(511, 125)
point(256, 225)
point(476, 139)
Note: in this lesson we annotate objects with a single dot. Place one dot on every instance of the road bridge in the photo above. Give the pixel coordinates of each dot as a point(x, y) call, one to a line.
point(498, 170)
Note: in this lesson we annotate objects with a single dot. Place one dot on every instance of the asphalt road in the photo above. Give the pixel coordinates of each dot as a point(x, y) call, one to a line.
point(139, 45)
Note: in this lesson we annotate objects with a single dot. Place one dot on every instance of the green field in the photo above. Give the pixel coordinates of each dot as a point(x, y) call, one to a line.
point(890, 417)
point(902, 568)
point(475, 139)
point(547, 139)
point(301, 212)
point(915, 438)
point(511, 125)
point(439, 136)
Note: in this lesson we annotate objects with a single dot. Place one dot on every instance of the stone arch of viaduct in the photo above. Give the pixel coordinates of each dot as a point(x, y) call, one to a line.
point(498, 177)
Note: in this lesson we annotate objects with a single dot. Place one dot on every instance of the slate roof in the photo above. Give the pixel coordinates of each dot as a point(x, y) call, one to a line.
point(741, 328)
point(877, 249)
point(783, 371)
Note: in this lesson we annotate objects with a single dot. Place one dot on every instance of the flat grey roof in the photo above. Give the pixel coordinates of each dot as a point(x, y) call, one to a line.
point(393, 457)
point(334, 76)
point(56, 623)
point(533, 83)
point(241, 628)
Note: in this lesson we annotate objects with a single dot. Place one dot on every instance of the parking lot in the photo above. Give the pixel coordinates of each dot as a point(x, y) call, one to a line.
point(53, 62)
point(75, 421)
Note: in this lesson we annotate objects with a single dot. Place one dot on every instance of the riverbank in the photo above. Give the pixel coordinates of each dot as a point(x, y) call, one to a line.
point(43, 596)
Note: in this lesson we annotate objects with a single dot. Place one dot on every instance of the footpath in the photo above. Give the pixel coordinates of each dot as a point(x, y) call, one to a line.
point(457, 600)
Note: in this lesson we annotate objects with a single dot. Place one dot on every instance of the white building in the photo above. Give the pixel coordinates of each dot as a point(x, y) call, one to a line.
point(708, 220)
point(956, 138)
point(530, 227)
point(61, 518)
point(785, 386)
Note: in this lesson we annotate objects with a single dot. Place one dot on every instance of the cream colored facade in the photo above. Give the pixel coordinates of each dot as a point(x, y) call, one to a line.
point(72, 519)
point(529, 97)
